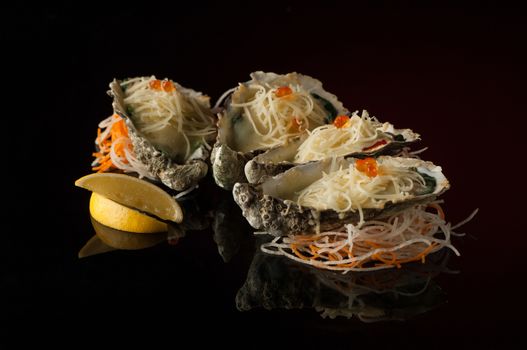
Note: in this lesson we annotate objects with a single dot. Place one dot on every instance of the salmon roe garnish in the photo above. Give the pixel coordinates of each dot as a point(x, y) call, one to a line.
point(155, 84)
point(341, 120)
point(165, 85)
point(168, 86)
point(367, 166)
point(283, 91)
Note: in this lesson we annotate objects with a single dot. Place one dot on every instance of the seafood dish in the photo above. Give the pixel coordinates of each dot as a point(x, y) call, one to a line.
point(268, 111)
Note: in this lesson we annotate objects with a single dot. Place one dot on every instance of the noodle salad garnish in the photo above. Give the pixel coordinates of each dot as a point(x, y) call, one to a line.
point(115, 150)
point(279, 113)
point(404, 237)
point(347, 134)
point(175, 119)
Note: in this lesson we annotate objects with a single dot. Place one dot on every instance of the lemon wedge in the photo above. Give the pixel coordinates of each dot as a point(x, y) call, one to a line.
point(133, 193)
point(119, 217)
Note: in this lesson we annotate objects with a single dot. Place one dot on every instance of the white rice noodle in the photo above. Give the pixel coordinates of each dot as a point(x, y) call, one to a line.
point(181, 109)
point(276, 119)
point(129, 163)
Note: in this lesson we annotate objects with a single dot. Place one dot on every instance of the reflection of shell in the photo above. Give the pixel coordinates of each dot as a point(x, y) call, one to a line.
point(268, 205)
point(176, 176)
point(396, 294)
point(232, 151)
point(196, 218)
point(229, 228)
point(279, 159)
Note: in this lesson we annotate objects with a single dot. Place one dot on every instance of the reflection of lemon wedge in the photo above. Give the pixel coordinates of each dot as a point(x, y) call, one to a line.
point(117, 216)
point(126, 240)
point(93, 247)
point(134, 193)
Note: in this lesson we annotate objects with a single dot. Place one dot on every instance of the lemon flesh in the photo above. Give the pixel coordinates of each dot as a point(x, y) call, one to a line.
point(119, 217)
point(133, 193)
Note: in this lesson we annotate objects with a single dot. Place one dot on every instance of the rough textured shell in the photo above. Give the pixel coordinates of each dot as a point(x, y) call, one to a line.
point(265, 207)
point(228, 161)
point(228, 165)
point(279, 159)
point(176, 176)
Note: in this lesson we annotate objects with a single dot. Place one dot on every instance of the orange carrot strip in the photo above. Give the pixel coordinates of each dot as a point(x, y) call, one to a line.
point(439, 210)
point(297, 253)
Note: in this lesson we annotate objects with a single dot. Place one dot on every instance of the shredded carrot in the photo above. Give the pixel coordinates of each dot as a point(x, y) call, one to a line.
point(437, 207)
point(372, 246)
point(314, 251)
point(295, 250)
point(118, 130)
point(380, 259)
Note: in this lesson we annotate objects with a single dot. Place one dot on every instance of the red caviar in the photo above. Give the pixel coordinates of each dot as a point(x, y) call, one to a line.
point(367, 166)
point(283, 91)
point(341, 120)
point(155, 84)
point(165, 85)
point(168, 86)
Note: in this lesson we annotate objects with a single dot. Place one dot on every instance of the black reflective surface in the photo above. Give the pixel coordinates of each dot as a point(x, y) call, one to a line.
point(452, 72)
point(396, 294)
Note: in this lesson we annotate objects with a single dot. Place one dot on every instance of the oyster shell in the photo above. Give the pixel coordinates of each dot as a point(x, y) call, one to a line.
point(279, 159)
point(237, 140)
point(271, 205)
point(167, 167)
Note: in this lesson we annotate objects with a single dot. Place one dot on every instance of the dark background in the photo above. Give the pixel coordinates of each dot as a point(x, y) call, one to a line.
point(452, 72)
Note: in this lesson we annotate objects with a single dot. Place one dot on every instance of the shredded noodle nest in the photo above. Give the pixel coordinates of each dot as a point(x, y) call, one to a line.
point(330, 141)
point(404, 237)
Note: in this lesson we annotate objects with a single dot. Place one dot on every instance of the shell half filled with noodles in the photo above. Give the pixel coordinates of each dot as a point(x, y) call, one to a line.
point(324, 195)
point(169, 126)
